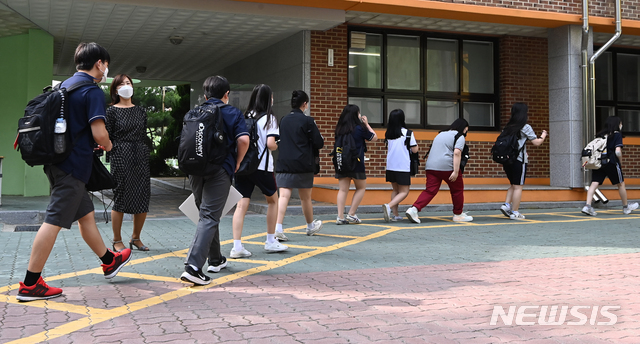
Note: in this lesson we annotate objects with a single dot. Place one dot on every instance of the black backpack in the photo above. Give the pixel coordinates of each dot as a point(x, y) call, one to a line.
point(465, 153)
point(252, 158)
point(414, 158)
point(505, 150)
point(35, 139)
point(203, 143)
point(345, 154)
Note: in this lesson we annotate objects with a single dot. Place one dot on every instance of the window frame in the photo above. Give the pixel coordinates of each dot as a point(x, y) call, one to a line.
point(615, 103)
point(422, 94)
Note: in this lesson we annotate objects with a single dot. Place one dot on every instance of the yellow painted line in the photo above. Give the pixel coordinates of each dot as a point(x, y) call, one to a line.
point(288, 244)
point(49, 304)
point(98, 316)
point(250, 261)
point(149, 277)
point(337, 236)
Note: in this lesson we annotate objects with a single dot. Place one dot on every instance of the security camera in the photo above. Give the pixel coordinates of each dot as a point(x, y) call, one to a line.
point(141, 69)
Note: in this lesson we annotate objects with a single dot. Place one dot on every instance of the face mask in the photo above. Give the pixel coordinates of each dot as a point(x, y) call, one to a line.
point(104, 75)
point(125, 91)
point(465, 134)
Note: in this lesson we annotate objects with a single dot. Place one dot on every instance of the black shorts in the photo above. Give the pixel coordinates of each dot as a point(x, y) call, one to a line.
point(516, 172)
point(611, 171)
point(266, 181)
point(69, 200)
point(402, 178)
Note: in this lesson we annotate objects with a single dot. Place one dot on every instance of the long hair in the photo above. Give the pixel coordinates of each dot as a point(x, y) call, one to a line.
point(518, 119)
point(113, 92)
point(395, 125)
point(260, 102)
point(348, 120)
point(458, 125)
point(610, 126)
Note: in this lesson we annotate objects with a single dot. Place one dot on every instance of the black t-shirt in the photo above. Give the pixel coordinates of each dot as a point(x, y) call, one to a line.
point(613, 141)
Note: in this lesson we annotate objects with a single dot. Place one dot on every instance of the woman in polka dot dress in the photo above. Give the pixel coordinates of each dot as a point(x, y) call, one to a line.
point(129, 160)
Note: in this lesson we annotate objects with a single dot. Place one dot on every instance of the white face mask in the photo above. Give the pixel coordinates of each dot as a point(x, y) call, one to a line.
point(125, 91)
point(104, 75)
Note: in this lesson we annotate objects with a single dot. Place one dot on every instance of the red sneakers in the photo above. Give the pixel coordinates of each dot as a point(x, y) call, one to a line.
point(119, 260)
point(38, 291)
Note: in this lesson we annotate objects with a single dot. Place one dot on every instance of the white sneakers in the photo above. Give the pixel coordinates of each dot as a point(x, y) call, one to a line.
point(588, 210)
point(243, 253)
point(275, 247)
point(317, 226)
point(463, 217)
point(629, 208)
point(412, 215)
point(281, 237)
point(386, 212)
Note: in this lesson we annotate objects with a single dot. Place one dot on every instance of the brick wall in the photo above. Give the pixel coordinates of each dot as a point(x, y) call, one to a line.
point(599, 8)
point(523, 78)
point(328, 87)
point(630, 162)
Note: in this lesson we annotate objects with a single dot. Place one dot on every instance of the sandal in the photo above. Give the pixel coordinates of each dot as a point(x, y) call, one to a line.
point(114, 245)
point(140, 248)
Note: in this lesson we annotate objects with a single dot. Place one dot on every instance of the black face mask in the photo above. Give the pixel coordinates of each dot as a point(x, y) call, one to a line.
point(465, 134)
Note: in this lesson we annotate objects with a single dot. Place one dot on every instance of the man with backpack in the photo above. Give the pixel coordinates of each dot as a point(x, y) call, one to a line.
point(69, 200)
point(212, 188)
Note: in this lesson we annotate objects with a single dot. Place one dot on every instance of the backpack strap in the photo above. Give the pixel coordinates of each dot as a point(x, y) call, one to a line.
point(407, 141)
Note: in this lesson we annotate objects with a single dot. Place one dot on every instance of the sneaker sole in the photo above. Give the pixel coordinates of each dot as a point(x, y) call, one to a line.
point(586, 213)
point(276, 250)
point(462, 220)
point(113, 274)
point(186, 277)
point(240, 256)
point(311, 233)
point(25, 298)
point(411, 219)
point(217, 268)
point(385, 214)
point(282, 239)
point(505, 212)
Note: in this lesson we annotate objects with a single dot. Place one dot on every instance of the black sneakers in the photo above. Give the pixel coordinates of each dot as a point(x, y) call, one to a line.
point(195, 277)
point(217, 268)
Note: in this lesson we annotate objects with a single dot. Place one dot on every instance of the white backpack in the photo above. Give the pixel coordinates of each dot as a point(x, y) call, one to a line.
point(594, 155)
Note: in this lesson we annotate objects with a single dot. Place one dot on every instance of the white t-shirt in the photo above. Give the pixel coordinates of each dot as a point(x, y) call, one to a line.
point(526, 133)
point(397, 153)
point(263, 134)
point(441, 154)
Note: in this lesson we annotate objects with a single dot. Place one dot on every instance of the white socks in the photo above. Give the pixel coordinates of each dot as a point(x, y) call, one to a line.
point(271, 238)
point(237, 245)
point(279, 228)
point(310, 225)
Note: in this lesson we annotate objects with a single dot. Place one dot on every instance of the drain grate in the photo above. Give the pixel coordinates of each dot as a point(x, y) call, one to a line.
point(27, 228)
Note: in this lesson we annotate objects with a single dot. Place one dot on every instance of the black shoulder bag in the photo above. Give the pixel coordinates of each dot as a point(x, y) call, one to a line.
point(415, 159)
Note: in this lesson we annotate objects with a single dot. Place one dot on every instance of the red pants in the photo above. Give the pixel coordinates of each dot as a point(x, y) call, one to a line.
point(434, 180)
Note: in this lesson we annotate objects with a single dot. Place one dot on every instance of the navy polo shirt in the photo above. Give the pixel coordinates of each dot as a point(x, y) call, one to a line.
point(360, 134)
point(234, 127)
point(86, 105)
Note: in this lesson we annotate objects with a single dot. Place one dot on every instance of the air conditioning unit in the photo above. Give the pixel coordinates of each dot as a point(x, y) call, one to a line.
point(358, 41)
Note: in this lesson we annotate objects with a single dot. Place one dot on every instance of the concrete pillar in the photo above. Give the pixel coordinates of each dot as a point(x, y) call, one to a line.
point(565, 105)
point(26, 67)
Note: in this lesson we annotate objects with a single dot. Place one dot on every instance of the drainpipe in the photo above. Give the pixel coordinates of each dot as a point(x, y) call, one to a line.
point(587, 129)
point(589, 106)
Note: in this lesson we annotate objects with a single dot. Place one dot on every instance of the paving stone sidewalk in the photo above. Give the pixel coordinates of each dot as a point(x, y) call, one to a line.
point(436, 282)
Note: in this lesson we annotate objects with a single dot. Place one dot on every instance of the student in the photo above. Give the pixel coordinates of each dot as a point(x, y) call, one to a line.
point(211, 191)
point(127, 125)
point(398, 163)
point(612, 169)
point(351, 122)
point(69, 200)
point(517, 172)
point(443, 163)
point(267, 129)
point(299, 136)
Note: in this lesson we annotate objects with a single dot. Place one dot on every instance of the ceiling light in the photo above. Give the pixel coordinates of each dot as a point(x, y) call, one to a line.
point(176, 40)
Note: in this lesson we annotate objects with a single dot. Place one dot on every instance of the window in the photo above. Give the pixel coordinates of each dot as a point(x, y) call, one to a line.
point(433, 78)
point(618, 88)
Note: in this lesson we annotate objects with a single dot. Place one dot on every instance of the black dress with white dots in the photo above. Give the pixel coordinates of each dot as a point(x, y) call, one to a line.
point(129, 159)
